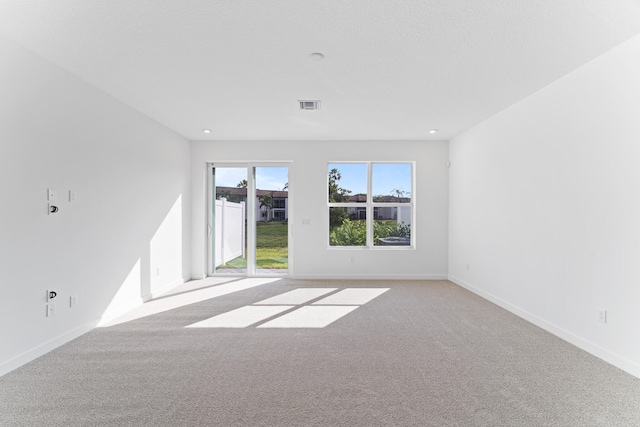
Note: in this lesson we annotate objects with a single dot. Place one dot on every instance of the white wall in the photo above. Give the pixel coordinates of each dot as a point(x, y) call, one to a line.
point(131, 216)
point(545, 211)
point(310, 253)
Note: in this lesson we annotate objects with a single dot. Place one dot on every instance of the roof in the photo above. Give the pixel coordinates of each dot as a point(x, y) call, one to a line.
point(238, 191)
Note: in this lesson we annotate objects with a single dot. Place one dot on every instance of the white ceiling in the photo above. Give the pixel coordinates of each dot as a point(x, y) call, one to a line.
point(392, 69)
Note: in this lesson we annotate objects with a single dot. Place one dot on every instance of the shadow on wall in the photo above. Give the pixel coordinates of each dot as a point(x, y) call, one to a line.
point(156, 270)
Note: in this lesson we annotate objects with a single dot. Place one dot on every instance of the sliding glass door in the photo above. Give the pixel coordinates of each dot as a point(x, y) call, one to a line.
point(249, 209)
point(272, 224)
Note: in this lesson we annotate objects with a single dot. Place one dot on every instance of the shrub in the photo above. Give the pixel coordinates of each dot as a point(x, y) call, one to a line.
point(390, 229)
point(350, 233)
point(354, 233)
point(337, 216)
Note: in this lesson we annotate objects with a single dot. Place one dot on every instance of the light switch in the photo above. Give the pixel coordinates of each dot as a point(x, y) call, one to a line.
point(51, 194)
point(73, 195)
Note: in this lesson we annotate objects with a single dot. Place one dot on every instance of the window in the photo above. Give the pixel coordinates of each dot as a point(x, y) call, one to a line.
point(278, 203)
point(370, 204)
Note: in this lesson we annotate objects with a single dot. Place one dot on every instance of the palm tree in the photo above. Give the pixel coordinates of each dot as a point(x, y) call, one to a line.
point(242, 184)
point(266, 201)
point(398, 193)
point(224, 194)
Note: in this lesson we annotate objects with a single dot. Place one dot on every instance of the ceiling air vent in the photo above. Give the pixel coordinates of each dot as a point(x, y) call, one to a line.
point(309, 105)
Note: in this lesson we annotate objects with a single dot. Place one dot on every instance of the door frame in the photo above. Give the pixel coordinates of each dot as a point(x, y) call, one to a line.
point(251, 217)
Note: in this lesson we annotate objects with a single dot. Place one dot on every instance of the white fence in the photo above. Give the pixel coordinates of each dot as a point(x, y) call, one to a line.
point(229, 231)
point(404, 215)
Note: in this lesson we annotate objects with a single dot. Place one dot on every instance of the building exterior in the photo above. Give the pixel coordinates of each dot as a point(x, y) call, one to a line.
point(279, 210)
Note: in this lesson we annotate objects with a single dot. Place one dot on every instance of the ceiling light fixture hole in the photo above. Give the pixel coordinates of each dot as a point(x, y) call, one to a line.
point(316, 57)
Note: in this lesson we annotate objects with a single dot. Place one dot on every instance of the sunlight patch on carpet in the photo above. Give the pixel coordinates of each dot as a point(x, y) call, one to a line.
point(241, 317)
point(173, 301)
point(310, 317)
point(317, 314)
point(297, 296)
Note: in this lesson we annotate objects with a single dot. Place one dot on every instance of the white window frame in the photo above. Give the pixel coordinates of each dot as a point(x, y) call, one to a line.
point(370, 205)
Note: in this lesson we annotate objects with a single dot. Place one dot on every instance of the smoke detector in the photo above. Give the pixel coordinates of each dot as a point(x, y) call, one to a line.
point(310, 105)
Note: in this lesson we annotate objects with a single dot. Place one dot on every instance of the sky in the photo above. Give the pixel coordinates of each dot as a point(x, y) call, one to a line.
point(386, 177)
point(267, 178)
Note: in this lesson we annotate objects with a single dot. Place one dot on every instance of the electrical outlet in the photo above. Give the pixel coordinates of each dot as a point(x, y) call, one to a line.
point(51, 194)
point(51, 294)
point(51, 309)
point(602, 315)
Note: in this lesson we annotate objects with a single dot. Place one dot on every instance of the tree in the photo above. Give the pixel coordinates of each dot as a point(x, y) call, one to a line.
point(337, 194)
point(266, 201)
point(224, 194)
point(398, 193)
point(242, 184)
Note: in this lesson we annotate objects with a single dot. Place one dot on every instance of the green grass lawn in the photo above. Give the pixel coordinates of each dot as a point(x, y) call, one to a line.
point(271, 247)
point(271, 235)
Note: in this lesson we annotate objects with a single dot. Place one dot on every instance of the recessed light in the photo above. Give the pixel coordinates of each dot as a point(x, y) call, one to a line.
point(316, 57)
point(206, 130)
point(433, 131)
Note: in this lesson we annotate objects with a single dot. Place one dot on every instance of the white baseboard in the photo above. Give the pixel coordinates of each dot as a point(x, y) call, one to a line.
point(144, 299)
point(166, 288)
point(371, 276)
point(588, 346)
point(342, 276)
point(40, 350)
point(111, 314)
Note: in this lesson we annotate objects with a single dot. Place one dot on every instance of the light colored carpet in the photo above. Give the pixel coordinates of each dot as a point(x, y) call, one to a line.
point(424, 353)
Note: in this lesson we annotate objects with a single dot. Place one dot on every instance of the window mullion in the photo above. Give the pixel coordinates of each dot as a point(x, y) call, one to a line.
point(369, 207)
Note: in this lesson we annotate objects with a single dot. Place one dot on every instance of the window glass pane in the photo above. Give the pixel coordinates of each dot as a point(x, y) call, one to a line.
point(392, 226)
point(345, 229)
point(347, 183)
point(391, 182)
point(279, 203)
point(231, 184)
point(230, 230)
point(272, 228)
